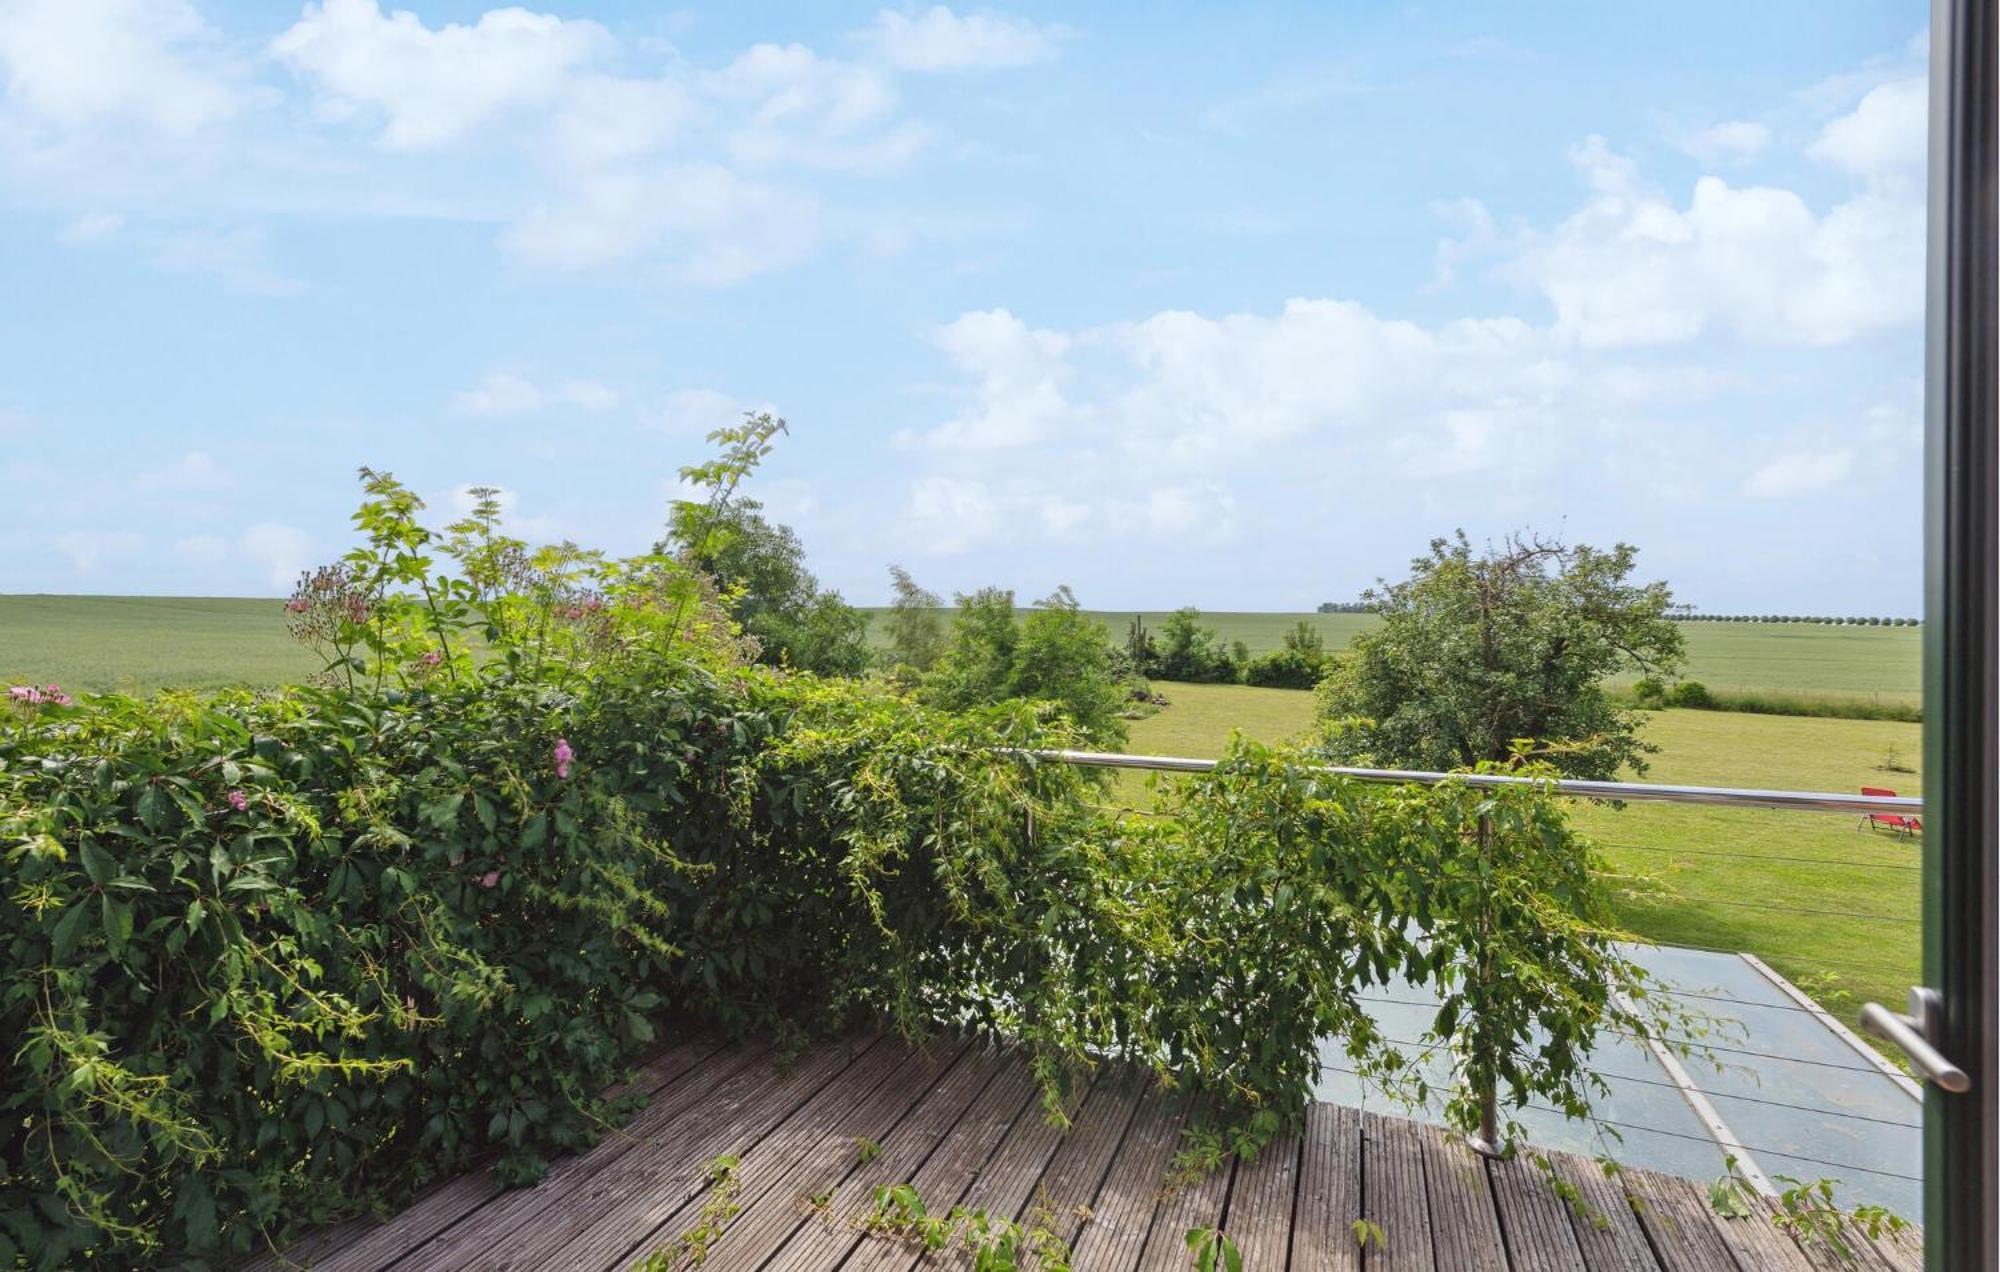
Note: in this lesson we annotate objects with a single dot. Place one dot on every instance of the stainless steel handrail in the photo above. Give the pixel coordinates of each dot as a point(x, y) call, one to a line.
point(1807, 801)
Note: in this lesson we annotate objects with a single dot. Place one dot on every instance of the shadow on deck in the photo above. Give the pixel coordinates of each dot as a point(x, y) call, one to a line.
point(964, 1125)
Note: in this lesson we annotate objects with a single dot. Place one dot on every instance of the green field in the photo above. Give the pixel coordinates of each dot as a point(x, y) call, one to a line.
point(101, 643)
point(140, 643)
point(1877, 664)
point(1699, 876)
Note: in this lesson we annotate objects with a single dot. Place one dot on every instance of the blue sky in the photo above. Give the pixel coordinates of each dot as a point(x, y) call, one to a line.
point(1227, 305)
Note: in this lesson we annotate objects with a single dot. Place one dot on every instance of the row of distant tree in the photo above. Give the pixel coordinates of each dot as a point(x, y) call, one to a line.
point(1689, 616)
point(1824, 620)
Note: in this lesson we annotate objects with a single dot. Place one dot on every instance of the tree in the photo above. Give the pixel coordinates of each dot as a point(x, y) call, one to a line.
point(760, 567)
point(913, 625)
point(1140, 651)
point(1190, 651)
point(1056, 655)
point(1478, 653)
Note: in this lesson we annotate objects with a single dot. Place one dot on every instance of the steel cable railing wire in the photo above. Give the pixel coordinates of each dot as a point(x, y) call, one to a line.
point(1819, 912)
point(1597, 1121)
point(1820, 1110)
point(1698, 1046)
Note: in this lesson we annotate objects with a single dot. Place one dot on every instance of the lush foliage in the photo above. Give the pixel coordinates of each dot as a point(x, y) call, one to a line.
point(1056, 654)
point(913, 628)
point(760, 568)
point(1297, 664)
point(1479, 654)
point(271, 960)
point(1186, 649)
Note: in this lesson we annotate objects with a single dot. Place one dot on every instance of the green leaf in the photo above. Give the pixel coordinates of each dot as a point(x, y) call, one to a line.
point(117, 923)
point(69, 928)
point(97, 863)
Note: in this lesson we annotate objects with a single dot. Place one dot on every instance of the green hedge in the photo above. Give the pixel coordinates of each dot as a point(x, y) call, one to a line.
point(269, 959)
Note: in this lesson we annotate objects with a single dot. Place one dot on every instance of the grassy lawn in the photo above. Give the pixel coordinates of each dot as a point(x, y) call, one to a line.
point(1699, 876)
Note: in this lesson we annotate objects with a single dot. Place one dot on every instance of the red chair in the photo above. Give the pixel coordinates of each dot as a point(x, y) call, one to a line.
point(1892, 821)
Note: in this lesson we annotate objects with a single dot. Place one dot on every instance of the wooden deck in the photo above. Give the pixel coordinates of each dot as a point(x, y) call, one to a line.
point(964, 1126)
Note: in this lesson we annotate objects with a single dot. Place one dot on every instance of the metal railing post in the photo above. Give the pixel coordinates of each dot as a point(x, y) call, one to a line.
point(1486, 1140)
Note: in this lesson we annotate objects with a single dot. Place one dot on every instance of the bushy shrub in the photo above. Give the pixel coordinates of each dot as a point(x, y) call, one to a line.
point(1283, 669)
point(1690, 693)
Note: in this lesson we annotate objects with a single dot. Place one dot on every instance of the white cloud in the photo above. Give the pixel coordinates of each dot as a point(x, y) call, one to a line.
point(431, 87)
point(1733, 141)
point(283, 552)
point(193, 473)
point(936, 39)
point(85, 550)
point(1799, 473)
point(697, 412)
point(715, 227)
point(237, 258)
point(460, 501)
point(91, 227)
point(203, 549)
point(1632, 268)
point(1018, 372)
point(501, 393)
point(1152, 427)
point(1883, 138)
point(147, 64)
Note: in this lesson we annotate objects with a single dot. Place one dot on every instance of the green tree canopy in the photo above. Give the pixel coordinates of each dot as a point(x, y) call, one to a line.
point(760, 567)
point(1479, 652)
point(914, 626)
point(1188, 650)
point(1057, 654)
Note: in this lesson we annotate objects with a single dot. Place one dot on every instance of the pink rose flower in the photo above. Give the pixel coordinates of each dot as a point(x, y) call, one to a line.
point(238, 800)
point(563, 756)
point(490, 879)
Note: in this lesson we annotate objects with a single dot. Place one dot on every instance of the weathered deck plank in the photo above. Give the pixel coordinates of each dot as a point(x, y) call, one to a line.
point(1607, 1230)
point(1063, 1197)
point(1123, 1214)
point(1465, 1227)
point(1197, 1203)
point(1329, 1192)
point(962, 1123)
point(766, 1147)
point(657, 1177)
point(951, 1170)
point(1534, 1221)
point(821, 1232)
point(1261, 1204)
point(369, 1243)
point(461, 1245)
point(771, 1213)
point(1394, 1198)
point(1676, 1217)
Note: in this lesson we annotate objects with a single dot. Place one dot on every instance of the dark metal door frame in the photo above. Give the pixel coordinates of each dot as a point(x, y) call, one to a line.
point(1962, 555)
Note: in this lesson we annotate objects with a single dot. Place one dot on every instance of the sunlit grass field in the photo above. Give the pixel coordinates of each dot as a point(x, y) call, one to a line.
point(1879, 664)
point(135, 643)
point(1791, 888)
